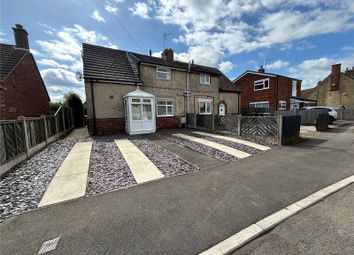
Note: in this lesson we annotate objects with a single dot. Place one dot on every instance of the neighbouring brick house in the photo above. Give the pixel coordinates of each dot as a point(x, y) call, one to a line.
point(337, 89)
point(268, 90)
point(137, 93)
point(22, 91)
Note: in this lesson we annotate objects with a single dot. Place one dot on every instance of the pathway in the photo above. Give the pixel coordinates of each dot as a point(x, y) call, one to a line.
point(71, 178)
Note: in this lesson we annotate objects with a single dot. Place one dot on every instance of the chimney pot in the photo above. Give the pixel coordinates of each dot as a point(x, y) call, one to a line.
point(261, 69)
point(21, 37)
point(167, 54)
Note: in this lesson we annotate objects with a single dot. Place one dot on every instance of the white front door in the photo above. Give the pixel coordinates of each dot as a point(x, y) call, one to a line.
point(142, 115)
point(221, 109)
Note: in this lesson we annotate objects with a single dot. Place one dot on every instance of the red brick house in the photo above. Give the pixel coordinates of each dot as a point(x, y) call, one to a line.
point(22, 90)
point(267, 90)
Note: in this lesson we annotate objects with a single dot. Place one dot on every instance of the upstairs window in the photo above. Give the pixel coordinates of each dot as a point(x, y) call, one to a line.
point(163, 73)
point(293, 90)
point(261, 84)
point(164, 107)
point(204, 78)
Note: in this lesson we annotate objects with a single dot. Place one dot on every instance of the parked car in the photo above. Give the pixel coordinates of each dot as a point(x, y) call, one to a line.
point(332, 112)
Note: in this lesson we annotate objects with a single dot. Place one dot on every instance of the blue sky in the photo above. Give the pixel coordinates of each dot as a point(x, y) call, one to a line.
point(299, 38)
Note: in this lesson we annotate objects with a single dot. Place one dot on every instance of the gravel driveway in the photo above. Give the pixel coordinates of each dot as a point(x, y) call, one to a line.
point(22, 188)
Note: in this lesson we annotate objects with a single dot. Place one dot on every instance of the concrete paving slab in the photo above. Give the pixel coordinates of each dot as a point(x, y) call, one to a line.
point(235, 140)
point(141, 167)
point(223, 148)
point(71, 178)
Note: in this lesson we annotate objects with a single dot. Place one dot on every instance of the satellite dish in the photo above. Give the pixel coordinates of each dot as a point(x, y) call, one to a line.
point(78, 76)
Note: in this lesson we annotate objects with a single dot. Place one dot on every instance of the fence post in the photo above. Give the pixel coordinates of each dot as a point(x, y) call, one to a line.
point(63, 114)
point(239, 124)
point(25, 134)
point(280, 128)
point(45, 129)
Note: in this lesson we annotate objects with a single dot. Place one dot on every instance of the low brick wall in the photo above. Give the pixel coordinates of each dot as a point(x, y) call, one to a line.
point(107, 126)
point(167, 122)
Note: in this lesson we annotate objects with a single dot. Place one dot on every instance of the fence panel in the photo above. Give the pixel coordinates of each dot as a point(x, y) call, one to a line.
point(36, 131)
point(204, 121)
point(11, 140)
point(190, 120)
point(308, 117)
point(51, 128)
point(257, 125)
point(345, 114)
point(60, 121)
point(228, 122)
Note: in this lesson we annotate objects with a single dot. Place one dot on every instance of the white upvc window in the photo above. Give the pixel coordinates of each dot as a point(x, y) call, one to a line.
point(163, 73)
point(205, 106)
point(293, 89)
point(261, 84)
point(282, 105)
point(261, 104)
point(204, 78)
point(164, 107)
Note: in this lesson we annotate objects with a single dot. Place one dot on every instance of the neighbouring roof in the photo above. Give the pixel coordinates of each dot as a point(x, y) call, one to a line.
point(303, 99)
point(226, 85)
point(9, 57)
point(264, 74)
point(306, 93)
point(101, 63)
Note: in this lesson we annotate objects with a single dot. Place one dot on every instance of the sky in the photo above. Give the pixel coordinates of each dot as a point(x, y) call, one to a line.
point(298, 38)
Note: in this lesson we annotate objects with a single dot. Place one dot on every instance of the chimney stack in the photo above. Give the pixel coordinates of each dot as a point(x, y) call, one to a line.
point(335, 77)
point(349, 71)
point(21, 37)
point(167, 54)
point(261, 69)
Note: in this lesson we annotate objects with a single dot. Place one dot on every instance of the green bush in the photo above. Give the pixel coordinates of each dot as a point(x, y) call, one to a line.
point(73, 100)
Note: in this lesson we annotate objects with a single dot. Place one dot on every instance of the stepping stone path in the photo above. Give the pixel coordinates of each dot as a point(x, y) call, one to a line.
point(71, 178)
point(142, 168)
point(223, 148)
point(235, 140)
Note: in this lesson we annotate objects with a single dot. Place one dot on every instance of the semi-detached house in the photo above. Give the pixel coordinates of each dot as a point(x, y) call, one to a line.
point(138, 93)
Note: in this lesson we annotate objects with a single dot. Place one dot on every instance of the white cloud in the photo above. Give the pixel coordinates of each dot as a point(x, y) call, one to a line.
point(140, 9)
point(220, 25)
point(110, 7)
point(312, 71)
point(226, 66)
point(3, 37)
point(96, 15)
point(278, 64)
point(62, 56)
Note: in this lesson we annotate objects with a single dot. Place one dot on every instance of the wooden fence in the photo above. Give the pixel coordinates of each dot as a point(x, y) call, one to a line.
point(308, 117)
point(21, 138)
point(266, 126)
point(345, 114)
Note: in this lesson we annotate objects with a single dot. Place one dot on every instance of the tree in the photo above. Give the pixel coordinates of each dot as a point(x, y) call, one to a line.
point(73, 100)
point(54, 106)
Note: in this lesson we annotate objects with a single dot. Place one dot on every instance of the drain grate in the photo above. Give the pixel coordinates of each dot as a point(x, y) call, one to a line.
point(49, 245)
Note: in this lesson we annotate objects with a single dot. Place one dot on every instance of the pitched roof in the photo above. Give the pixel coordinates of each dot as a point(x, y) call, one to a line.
point(103, 63)
point(263, 74)
point(9, 57)
point(226, 85)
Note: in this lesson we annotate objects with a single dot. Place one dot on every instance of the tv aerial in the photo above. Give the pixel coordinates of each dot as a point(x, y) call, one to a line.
point(78, 76)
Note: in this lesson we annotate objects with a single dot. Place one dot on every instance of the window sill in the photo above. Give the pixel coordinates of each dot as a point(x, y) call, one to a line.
point(260, 89)
point(164, 116)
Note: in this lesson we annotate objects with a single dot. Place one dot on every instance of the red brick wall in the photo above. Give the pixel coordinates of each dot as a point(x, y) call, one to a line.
point(167, 122)
point(248, 95)
point(279, 89)
point(107, 126)
point(23, 92)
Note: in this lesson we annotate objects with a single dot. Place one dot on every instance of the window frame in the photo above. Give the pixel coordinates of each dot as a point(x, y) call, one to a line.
point(294, 82)
point(168, 72)
point(282, 102)
point(204, 75)
point(263, 81)
point(205, 101)
point(259, 102)
point(166, 107)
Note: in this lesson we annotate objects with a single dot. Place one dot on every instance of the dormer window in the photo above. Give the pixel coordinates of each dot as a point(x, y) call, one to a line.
point(163, 73)
point(205, 79)
point(261, 84)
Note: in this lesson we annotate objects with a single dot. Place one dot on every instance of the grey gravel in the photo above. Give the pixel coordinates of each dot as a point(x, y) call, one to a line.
point(22, 188)
point(108, 169)
point(167, 162)
point(200, 148)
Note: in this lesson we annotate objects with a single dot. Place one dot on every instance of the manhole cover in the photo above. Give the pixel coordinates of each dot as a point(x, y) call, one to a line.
point(49, 245)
